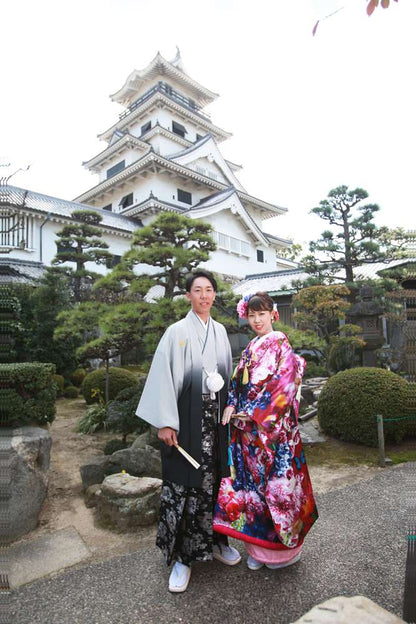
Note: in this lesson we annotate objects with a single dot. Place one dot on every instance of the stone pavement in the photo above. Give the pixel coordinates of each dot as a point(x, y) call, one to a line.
point(357, 547)
point(34, 558)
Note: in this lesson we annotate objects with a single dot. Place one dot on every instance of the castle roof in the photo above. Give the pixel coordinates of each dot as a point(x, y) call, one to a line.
point(153, 160)
point(61, 209)
point(137, 82)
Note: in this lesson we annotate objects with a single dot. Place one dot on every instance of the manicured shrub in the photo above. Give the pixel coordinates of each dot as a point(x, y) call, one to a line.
point(114, 445)
point(78, 376)
point(93, 420)
point(27, 394)
point(351, 399)
point(121, 413)
point(119, 379)
point(60, 383)
point(71, 392)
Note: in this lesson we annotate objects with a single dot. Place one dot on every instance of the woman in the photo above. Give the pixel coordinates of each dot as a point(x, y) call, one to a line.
point(268, 501)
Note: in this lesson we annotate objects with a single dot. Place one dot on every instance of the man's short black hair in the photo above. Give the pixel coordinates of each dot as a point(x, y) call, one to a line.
point(200, 273)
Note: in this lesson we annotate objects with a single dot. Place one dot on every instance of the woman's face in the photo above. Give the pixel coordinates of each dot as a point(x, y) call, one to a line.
point(260, 321)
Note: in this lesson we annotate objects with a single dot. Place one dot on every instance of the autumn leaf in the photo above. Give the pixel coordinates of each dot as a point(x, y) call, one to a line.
point(374, 3)
point(371, 6)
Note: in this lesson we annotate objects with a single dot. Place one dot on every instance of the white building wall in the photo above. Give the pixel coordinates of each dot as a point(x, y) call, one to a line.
point(164, 187)
point(237, 263)
point(129, 156)
point(45, 248)
point(165, 146)
point(222, 260)
point(211, 170)
point(136, 127)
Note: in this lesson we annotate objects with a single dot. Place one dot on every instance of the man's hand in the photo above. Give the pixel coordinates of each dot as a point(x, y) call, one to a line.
point(168, 436)
point(227, 414)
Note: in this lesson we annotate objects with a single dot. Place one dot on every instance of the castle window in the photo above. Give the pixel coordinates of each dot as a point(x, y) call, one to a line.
point(178, 128)
point(116, 260)
point(116, 169)
point(260, 255)
point(127, 200)
point(146, 127)
point(109, 207)
point(185, 197)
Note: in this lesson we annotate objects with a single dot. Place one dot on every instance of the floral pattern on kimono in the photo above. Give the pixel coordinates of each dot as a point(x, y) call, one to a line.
point(185, 530)
point(268, 500)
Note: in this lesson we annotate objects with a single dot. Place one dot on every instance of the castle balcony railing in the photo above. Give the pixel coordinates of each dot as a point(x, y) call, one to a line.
point(172, 94)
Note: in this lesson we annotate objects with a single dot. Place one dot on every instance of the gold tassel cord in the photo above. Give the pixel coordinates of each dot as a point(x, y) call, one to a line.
point(245, 376)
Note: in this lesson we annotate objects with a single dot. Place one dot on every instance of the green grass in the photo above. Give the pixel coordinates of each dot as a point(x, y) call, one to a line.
point(333, 453)
point(401, 457)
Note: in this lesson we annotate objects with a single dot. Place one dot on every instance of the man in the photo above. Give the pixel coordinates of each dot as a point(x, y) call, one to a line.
point(183, 398)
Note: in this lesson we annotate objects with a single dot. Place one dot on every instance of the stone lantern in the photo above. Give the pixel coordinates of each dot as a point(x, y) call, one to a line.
point(367, 314)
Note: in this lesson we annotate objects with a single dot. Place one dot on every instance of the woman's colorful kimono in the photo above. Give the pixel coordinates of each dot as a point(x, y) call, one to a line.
point(268, 500)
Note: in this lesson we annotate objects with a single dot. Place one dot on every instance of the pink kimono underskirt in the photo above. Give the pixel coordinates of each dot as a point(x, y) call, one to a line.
point(267, 555)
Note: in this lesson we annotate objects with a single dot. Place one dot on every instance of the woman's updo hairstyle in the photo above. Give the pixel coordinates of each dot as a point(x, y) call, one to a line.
point(260, 301)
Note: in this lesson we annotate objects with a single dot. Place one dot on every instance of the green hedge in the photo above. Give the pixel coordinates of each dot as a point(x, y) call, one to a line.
point(78, 376)
point(27, 394)
point(351, 399)
point(71, 392)
point(119, 379)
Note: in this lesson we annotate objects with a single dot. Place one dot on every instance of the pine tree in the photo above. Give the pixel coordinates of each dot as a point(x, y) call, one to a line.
point(47, 301)
point(80, 242)
point(172, 243)
point(353, 240)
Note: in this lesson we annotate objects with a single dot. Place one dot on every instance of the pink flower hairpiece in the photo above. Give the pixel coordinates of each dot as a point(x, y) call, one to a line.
point(242, 306)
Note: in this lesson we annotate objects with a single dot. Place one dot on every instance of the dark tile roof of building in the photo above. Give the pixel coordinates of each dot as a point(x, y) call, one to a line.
point(23, 198)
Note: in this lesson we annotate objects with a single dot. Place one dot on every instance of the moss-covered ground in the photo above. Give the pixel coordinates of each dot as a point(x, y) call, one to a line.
point(334, 453)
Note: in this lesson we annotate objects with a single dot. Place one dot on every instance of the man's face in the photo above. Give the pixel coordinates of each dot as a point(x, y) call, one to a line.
point(201, 296)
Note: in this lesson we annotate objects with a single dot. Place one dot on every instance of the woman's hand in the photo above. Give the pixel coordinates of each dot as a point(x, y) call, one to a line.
point(227, 414)
point(168, 436)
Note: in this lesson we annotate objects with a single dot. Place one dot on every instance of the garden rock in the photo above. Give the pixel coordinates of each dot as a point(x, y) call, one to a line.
point(149, 437)
point(139, 462)
point(142, 440)
point(307, 395)
point(348, 610)
point(95, 471)
point(126, 502)
point(91, 497)
point(25, 455)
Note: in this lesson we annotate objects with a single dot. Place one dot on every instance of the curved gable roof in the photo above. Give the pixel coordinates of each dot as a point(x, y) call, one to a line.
point(207, 148)
point(136, 82)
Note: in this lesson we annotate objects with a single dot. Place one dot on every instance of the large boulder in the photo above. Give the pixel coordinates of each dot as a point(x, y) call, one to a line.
point(126, 502)
point(24, 460)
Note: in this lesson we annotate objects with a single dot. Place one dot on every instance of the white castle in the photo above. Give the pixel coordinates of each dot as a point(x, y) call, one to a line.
point(161, 154)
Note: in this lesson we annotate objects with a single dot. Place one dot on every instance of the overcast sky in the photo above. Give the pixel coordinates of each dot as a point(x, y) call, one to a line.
point(307, 113)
